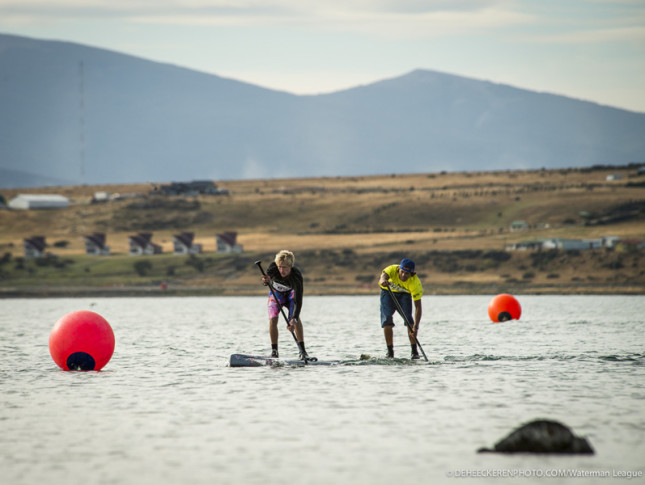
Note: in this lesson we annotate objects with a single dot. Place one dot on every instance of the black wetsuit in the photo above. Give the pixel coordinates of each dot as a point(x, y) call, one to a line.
point(283, 286)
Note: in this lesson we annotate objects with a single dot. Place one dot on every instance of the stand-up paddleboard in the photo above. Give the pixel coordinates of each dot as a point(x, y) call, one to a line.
point(244, 360)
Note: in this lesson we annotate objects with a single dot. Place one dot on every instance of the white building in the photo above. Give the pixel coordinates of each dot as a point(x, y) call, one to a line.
point(517, 226)
point(34, 247)
point(184, 244)
point(101, 197)
point(39, 201)
point(610, 241)
point(227, 243)
point(571, 244)
point(564, 244)
point(141, 244)
point(95, 244)
point(614, 176)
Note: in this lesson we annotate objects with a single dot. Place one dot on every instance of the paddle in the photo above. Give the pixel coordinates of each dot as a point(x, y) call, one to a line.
point(275, 297)
point(405, 318)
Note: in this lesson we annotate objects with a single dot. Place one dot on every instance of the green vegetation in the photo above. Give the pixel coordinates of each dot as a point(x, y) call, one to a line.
point(331, 271)
point(101, 271)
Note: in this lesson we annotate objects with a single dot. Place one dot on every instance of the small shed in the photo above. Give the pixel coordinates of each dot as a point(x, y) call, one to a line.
point(184, 244)
point(95, 244)
point(99, 197)
point(34, 247)
point(38, 201)
point(142, 244)
point(517, 226)
point(610, 241)
point(531, 245)
point(571, 244)
point(227, 243)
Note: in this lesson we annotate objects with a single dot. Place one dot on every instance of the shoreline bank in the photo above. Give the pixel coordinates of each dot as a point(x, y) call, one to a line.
point(179, 291)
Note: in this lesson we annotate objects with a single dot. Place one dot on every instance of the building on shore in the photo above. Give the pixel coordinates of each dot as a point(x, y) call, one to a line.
point(227, 243)
point(184, 244)
point(141, 244)
point(565, 244)
point(34, 247)
point(38, 201)
point(95, 244)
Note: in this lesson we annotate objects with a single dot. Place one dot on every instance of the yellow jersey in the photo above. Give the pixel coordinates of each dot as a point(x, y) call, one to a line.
point(412, 285)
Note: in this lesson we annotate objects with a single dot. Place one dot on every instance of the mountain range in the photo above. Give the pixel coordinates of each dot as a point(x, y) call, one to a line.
point(72, 114)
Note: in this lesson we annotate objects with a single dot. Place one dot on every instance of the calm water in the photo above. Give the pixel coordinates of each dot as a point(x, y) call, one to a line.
point(167, 409)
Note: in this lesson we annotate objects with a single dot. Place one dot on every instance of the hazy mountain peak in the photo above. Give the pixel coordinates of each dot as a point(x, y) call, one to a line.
point(88, 115)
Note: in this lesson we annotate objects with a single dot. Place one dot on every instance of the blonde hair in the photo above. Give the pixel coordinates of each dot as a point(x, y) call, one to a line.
point(285, 257)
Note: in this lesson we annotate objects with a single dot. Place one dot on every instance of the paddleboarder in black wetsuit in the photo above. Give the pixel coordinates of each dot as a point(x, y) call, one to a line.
point(289, 287)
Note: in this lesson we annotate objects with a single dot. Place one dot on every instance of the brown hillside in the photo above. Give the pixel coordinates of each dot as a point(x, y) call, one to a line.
point(343, 230)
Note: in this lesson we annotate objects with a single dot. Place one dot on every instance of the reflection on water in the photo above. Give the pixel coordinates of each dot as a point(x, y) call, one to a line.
point(167, 409)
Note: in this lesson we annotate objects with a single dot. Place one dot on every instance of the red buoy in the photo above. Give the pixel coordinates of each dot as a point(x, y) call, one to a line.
point(504, 307)
point(81, 340)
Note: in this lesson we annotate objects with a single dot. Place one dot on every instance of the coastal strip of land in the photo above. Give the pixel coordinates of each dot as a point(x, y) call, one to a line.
point(539, 231)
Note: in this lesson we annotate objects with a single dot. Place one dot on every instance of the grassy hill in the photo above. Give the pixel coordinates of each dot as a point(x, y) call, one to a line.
point(343, 231)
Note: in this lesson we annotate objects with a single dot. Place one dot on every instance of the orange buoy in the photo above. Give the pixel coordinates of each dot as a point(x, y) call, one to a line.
point(504, 307)
point(81, 340)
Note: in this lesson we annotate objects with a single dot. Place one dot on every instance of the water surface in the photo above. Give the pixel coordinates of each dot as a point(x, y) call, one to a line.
point(167, 409)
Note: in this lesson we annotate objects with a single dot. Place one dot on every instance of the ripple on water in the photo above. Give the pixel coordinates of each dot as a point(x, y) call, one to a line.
point(167, 408)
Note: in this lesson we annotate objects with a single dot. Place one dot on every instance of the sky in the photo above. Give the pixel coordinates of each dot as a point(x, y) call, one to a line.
point(586, 49)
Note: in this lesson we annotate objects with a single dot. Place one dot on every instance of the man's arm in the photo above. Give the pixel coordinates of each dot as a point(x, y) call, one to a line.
point(383, 280)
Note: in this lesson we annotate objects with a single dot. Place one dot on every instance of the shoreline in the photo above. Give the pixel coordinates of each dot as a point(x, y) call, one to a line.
point(178, 291)
point(469, 233)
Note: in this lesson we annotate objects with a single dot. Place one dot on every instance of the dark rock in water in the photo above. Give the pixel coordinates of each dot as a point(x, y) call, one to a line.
point(541, 436)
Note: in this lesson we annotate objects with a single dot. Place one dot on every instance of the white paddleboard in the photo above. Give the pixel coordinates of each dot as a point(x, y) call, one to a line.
point(245, 360)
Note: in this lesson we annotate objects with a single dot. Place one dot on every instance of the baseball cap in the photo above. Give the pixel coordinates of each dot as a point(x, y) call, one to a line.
point(407, 265)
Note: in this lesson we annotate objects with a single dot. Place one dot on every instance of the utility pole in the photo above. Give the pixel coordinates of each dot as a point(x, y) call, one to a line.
point(81, 87)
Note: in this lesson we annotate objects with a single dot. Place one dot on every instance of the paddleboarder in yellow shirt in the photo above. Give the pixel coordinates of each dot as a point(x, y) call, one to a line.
point(406, 288)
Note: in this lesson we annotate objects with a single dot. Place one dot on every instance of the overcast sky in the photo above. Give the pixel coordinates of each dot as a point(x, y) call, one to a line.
point(587, 49)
